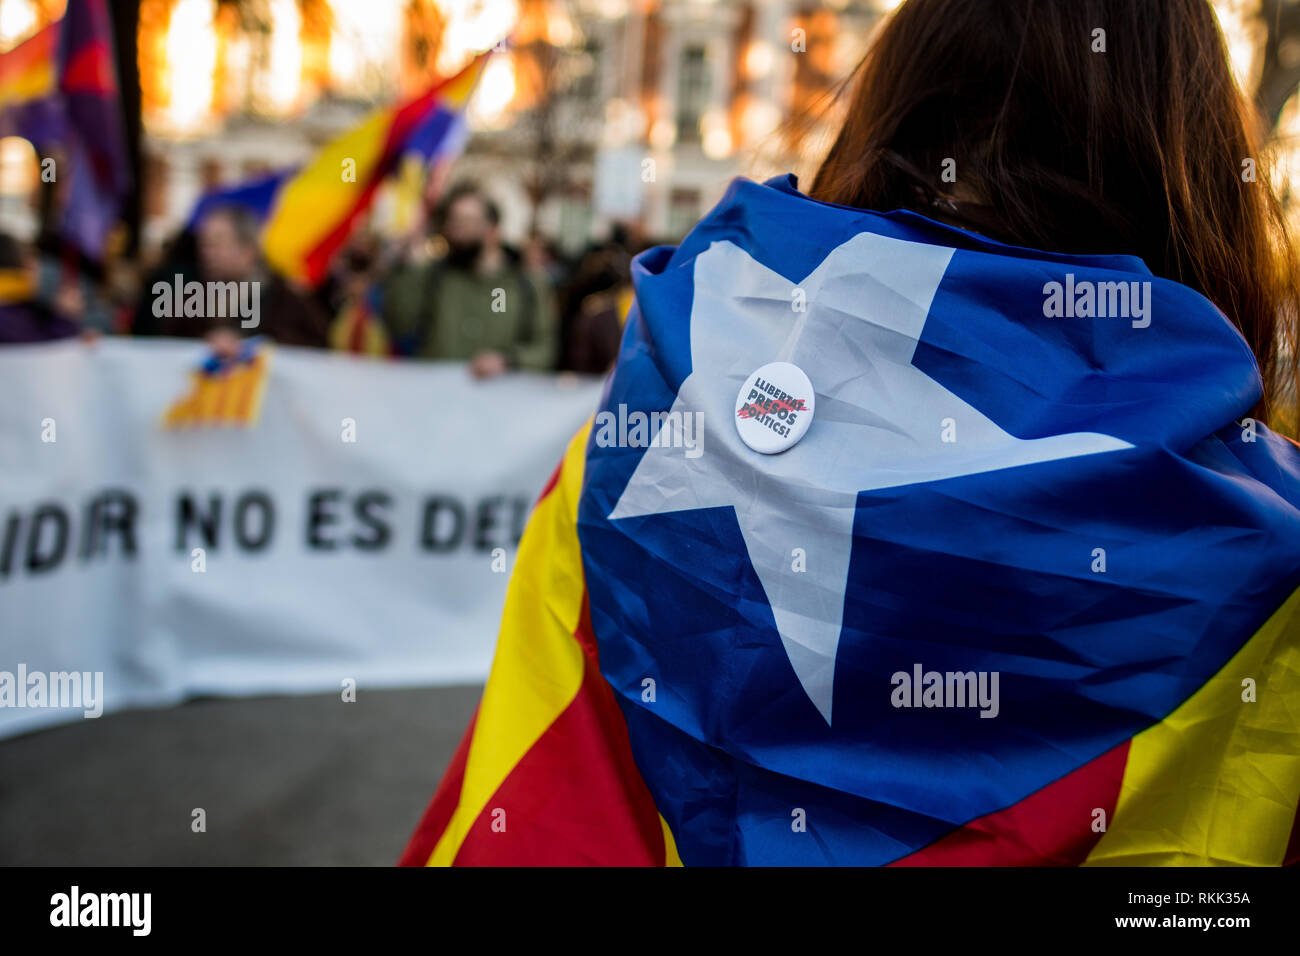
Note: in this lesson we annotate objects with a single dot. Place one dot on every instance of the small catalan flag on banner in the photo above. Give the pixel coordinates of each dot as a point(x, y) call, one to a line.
point(224, 392)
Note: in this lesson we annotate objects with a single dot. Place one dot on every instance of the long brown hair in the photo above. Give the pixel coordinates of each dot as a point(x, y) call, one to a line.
point(1058, 145)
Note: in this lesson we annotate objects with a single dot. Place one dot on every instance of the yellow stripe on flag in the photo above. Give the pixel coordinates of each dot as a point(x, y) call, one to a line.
point(1217, 781)
point(318, 199)
point(232, 398)
point(181, 411)
point(670, 845)
point(16, 285)
point(239, 390)
point(208, 399)
point(459, 87)
point(31, 84)
point(538, 666)
point(251, 387)
point(27, 72)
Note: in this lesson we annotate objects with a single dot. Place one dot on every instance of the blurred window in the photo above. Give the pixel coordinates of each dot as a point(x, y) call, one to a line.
point(683, 211)
point(19, 183)
point(692, 92)
point(586, 82)
point(575, 222)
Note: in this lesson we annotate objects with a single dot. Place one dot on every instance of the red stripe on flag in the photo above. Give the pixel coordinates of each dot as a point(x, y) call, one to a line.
point(551, 482)
point(33, 52)
point(1292, 855)
point(1050, 827)
point(576, 798)
point(360, 318)
point(90, 71)
point(406, 119)
point(431, 826)
point(317, 261)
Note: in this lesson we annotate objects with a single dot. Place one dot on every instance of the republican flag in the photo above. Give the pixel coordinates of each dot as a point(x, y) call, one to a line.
point(28, 83)
point(27, 72)
point(88, 86)
point(256, 196)
point(316, 210)
point(96, 139)
point(58, 89)
point(1025, 593)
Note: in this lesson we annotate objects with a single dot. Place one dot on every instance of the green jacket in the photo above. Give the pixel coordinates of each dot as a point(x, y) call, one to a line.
point(433, 311)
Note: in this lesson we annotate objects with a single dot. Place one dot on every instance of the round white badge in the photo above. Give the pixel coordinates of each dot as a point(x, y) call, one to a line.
point(774, 408)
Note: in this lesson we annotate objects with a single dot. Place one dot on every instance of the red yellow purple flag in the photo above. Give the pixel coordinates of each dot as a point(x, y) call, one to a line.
point(316, 210)
point(27, 72)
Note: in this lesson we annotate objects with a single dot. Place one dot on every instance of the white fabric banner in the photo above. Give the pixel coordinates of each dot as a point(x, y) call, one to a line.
point(281, 557)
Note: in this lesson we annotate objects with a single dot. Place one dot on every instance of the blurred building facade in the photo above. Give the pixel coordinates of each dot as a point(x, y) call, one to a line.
point(600, 111)
point(651, 108)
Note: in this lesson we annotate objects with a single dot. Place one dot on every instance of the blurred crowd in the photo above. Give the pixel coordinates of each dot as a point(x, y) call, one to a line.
point(452, 289)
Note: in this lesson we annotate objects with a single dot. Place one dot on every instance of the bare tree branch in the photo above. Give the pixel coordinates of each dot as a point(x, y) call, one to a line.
point(1280, 76)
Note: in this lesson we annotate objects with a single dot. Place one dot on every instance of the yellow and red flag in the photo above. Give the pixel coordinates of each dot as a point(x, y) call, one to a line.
point(316, 210)
point(545, 773)
point(1072, 640)
point(224, 394)
point(29, 70)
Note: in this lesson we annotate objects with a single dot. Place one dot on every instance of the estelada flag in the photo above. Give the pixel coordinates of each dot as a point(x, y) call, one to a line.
point(316, 210)
point(1025, 593)
point(224, 393)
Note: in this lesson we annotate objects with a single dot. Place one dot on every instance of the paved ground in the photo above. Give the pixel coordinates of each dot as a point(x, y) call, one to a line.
point(284, 780)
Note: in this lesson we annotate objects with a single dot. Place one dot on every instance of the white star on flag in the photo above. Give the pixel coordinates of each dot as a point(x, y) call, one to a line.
point(877, 423)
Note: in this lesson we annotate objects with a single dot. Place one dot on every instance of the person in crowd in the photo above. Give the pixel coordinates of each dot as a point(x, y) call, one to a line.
point(541, 255)
point(474, 303)
point(595, 304)
point(226, 246)
point(179, 257)
point(65, 274)
point(355, 302)
point(24, 315)
point(1149, 425)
